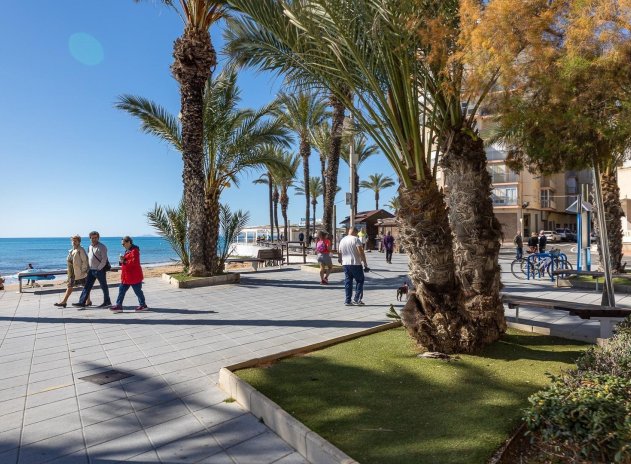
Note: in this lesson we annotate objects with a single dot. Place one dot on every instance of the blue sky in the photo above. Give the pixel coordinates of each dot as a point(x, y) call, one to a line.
point(69, 161)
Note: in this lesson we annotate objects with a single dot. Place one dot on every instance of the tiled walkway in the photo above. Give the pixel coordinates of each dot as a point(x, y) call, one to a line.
point(170, 409)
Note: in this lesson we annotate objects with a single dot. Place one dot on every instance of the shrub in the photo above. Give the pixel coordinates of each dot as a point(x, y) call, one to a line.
point(624, 327)
point(614, 358)
point(587, 414)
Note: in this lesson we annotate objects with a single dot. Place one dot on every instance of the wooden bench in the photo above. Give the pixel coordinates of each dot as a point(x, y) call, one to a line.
point(264, 257)
point(606, 315)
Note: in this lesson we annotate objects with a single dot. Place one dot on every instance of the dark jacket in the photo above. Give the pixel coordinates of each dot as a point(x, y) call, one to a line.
point(533, 242)
point(518, 241)
point(543, 241)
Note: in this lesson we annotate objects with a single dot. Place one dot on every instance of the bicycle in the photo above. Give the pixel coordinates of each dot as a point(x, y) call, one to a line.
point(540, 265)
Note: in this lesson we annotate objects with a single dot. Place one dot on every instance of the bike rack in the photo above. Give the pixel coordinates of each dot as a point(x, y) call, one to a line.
point(532, 266)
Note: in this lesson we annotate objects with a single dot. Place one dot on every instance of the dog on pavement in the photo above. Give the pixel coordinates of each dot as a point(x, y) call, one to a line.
point(402, 291)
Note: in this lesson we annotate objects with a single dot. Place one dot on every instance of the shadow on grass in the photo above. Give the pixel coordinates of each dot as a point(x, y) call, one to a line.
point(381, 404)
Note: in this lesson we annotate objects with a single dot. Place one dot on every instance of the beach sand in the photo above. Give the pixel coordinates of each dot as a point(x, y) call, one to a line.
point(115, 277)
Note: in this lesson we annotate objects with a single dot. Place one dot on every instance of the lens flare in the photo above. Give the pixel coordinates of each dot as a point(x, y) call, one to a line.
point(86, 49)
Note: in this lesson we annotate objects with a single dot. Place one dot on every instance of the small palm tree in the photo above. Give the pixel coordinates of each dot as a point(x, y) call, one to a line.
point(316, 189)
point(394, 204)
point(231, 225)
point(376, 183)
point(171, 224)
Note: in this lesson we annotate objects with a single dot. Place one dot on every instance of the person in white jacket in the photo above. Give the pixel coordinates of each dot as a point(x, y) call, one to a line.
point(77, 261)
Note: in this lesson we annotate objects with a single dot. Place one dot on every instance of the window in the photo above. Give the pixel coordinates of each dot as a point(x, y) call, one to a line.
point(501, 174)
point(504, 196)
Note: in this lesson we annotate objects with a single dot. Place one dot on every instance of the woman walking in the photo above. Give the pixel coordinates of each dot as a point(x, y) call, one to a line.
point(323, 249)
point(77, 262)
point(131, 276)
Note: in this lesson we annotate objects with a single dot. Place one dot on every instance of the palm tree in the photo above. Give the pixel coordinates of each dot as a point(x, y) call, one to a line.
point(171, 224)
point(302, 112)
point(316, 189)
point(266, 179)
point(363, 151)
point(194, 58)
point(394, 204)
point(234, 140)
point(401, 74)
point(283, 179)
point(376, 183)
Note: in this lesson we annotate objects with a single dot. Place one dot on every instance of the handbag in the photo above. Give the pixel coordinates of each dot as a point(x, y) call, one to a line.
point(108, 266)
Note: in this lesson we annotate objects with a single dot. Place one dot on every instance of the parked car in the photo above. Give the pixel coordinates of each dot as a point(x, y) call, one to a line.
point(552, 236)
point(566, 235)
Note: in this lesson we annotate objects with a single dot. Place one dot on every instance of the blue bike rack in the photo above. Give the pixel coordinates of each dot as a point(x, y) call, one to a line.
point(532, 266)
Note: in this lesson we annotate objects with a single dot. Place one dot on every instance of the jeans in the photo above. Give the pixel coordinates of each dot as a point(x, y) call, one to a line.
point(520, 253)
point(122, 289)
point(94, 275)
point(388, 255)
point(354, 272)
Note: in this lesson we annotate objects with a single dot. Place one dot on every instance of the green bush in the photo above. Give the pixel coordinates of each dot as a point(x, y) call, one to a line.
point(624, 327)
point(587, 414)
point(614, 358)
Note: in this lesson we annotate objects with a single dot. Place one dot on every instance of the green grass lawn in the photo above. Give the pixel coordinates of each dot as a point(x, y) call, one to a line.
point(374, 399)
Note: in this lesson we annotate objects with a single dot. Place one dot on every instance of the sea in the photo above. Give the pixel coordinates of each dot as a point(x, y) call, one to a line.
point(50, 253)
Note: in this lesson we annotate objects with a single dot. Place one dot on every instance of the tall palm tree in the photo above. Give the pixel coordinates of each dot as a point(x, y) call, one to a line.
point(194, 58)
point(363, 151)
point(302, 112)
point(235, 140)
point(401, 72)
point(285, 178)
point(266, 179)
point(394, 204)
point(376, 183)
point(316, 189)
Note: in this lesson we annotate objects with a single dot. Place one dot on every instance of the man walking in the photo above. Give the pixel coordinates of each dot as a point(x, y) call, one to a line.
point(388, 245)
point(519, 245)
point(543, 241)
point(97, 260)
point(351, 256)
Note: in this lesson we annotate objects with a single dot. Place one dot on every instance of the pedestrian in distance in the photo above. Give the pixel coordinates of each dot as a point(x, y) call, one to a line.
point(323, 250)
point(519, 245)
point(131, 276)
point(78, 267)
point(351, 255)
point(301, 237)
point(533, 243)
point(99, 265)
point(388, 245)
point(543, 241)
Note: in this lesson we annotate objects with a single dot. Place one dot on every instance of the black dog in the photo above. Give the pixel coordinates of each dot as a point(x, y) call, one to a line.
point(402, 290)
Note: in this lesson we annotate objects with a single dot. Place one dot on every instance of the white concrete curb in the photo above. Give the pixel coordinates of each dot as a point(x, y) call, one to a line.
point(309, 444)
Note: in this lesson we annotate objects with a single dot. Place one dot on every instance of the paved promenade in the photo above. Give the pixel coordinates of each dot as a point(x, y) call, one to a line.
point(169, 409)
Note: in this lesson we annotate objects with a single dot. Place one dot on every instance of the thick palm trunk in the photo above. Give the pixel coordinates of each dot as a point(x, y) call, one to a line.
point(477, 235)
point(432, 315)
point(355, 199)
point(275, 198)
point(194, 57)
point(270, 197)
point(613, 219)
point(333, 164)
point(284, 204)
point(305, 152)
point(377, 200)
point(211, 205)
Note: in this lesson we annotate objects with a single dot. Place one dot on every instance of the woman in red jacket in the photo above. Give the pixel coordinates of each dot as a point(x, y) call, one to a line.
point(131, 276)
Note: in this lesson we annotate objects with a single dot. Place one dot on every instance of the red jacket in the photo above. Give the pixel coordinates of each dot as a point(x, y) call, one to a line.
point(131, 272)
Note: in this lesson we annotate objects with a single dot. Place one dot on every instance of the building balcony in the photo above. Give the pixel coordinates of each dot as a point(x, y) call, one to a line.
point(504, 178)
point(548, 204)
point(548, 183)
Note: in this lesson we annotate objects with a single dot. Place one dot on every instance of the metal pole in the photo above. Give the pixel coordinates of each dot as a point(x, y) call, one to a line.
point(579, 234)
point(353, 166)
point(608, 295)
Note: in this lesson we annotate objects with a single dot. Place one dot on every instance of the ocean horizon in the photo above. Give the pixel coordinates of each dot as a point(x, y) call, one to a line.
point(49, 253)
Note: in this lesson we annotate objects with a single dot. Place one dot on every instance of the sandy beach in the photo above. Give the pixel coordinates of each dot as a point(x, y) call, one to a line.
point(114, 277)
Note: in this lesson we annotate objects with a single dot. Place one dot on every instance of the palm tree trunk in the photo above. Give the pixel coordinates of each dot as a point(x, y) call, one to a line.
point(376, 199)
point(305, 152)
point(356, 193)
point(270, 191)
point(284, 204)
point(275, 200)
point(313, 203)
point(333, 164)
point(613, 218)
point(432, 315)
point(211, 206)
point(477, 234)
point(194, 57)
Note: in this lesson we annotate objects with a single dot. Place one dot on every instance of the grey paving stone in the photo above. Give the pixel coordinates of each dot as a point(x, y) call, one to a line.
point(293, 458)
point(49, 410)
point(120, 449)
point(189, 449)
point(50, 396)
point(9, 440)
point(104, 412)
point(52, 448)
point(50, 427)
point(174, 430)
point(218, 413)
point(161, 413)
point(264, 448)
point(233, 432)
